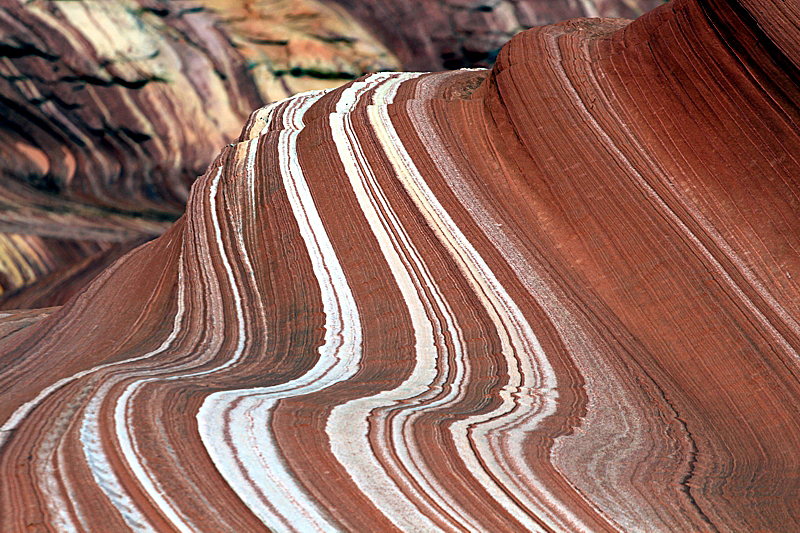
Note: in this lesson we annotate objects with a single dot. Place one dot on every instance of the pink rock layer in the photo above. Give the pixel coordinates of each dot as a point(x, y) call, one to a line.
point(555, 296)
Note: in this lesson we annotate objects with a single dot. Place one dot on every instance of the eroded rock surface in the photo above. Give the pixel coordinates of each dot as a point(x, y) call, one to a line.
point(96, 95)
point(559, 295)
point(453, 34)
point(110, 109)
point(300, 45)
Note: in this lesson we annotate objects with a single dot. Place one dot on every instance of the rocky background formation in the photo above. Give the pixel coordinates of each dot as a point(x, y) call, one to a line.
point(109, 109)
point(557, 295)
point(451, 34)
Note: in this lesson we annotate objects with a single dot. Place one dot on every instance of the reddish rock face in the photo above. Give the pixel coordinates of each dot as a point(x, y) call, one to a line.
point(559, 295)
point(93, 94)
point(110, 109)
point(48, 272)
point(453, 34)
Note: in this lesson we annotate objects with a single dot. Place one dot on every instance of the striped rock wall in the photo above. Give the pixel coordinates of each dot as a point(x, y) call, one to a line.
point(452, 34)
point(555, 296)
point(110, 109)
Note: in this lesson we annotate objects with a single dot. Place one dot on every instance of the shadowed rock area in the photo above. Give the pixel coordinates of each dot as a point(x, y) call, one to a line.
point(453, 34)
point(558, 295)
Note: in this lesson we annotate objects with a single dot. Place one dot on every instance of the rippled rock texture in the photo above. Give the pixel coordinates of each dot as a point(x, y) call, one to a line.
point(452, 34)
point(109, 110)
point(95, 95)
point(122, 104)
point(555, 296)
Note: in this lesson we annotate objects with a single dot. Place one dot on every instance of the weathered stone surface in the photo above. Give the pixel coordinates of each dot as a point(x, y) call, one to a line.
point(15, 321)
point(452, 34)
point(122, 104)
point(300, 45)
point(98, 96)
point(47, 272)
point(559, 295)
point(110, 109)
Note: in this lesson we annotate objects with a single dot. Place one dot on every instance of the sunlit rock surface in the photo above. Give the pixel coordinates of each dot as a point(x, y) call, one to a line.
point(555, 296)
point(109, 109)
point(299, 45)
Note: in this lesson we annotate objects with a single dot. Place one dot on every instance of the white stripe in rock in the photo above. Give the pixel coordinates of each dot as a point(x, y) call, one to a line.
point(562, 316)
point(235, 425)
point(527, 364)
point(393, 492)
point(124, 432)
point(96, 457)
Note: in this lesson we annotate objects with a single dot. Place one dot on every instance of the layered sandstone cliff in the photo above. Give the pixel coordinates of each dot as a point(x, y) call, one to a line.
point(110, 109)
point(559, 295)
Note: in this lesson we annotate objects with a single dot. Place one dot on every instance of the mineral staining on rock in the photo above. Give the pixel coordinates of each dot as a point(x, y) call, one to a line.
point(111, 109)
point(554, 296)
point(293, 47)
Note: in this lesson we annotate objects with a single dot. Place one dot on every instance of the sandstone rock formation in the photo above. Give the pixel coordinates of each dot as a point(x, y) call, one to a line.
point(95, 102)
point(299, 45)
point(110, 109)
point(44, 272)
point(95, 95)
point(122, 104)
point(452, 34)
point(559, 295)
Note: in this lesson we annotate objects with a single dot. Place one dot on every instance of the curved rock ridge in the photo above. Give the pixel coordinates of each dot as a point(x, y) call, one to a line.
point(555, 296)
point(452, 34)
point(109, 109)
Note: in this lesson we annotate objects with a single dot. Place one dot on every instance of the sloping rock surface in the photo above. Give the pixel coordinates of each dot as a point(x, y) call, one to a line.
point(453, 34)
point(110, 109)
point(559, 295)
point(44, 276)
point(300, 45)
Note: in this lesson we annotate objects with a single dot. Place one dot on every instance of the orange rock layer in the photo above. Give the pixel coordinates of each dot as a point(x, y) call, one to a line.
point(556, 296)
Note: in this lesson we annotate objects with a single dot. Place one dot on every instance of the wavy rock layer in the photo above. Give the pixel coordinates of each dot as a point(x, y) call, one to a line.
point(452, 34)
point(122, 104)
point(52, 279)
point(301, 45)
point(557, 296)
point(109, 109)
point(95, 94)
point(25, 258)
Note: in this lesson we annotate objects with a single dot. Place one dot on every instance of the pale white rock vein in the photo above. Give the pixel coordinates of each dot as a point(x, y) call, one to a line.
point(528, 367)
point(236, 425)
point(563, 316)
